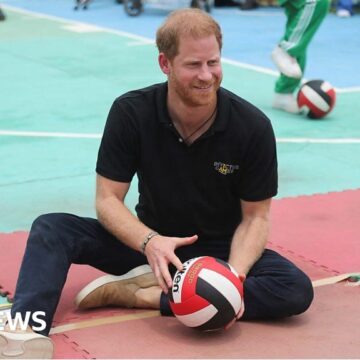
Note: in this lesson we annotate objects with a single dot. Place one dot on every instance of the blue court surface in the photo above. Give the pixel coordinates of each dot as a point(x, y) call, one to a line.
point(249, 35)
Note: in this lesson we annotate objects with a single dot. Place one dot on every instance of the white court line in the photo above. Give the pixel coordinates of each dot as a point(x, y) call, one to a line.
point(319, 141)
point(82, 28)
point(250, 67)
point(42, 134)
point(142, 40)
point(348, 90)
point(79, 23)
point(49, 134)
point(138, 43)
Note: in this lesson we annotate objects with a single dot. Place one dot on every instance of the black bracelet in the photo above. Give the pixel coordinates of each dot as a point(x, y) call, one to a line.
point(147, 239)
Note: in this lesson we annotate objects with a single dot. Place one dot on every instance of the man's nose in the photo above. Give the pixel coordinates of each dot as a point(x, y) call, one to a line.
point(205, 73)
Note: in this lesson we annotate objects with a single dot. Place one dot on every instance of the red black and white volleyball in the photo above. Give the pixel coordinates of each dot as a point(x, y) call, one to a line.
point(207, 294)
point(316, 98)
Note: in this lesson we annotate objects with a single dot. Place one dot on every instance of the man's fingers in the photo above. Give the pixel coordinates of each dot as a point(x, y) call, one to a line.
point(191, 239)
point(160, 280)
point(166, 274)
point(176, 262)
point(164, 254)
point(186, 240)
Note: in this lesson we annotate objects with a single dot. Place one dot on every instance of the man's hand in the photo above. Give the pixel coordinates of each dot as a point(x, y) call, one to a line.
point(160, 251)
point(242, 309)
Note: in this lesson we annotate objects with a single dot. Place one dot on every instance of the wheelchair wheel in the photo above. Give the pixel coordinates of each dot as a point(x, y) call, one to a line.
point(133, 7)
point(202, 4)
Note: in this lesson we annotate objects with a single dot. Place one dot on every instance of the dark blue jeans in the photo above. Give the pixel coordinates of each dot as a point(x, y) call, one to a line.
point(274, 287)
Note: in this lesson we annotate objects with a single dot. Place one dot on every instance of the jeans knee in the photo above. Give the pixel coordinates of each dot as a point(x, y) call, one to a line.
point(302, 295)
point(48, 222)
point(46, 229)
point(67, 235)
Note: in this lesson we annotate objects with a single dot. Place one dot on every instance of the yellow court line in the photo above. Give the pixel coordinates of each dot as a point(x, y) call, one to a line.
point(5, 306)
point(103, 321)
point(334, 279)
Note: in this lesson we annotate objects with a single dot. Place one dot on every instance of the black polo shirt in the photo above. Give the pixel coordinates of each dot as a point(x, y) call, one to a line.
point(189, 189)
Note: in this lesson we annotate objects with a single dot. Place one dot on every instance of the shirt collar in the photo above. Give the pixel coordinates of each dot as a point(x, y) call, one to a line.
point(223, 108)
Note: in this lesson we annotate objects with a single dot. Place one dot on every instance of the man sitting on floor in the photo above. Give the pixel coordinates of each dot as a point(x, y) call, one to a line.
point(207, 168)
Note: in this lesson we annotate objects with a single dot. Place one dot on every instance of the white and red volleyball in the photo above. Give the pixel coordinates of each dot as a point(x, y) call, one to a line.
point(316, 98)
point(207, 294)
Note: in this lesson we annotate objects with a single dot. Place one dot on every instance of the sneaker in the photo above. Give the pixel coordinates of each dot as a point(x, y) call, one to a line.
point(286, 102)
point(25, 345)
point(344, 13)
point(116, 290)
point(286, 64)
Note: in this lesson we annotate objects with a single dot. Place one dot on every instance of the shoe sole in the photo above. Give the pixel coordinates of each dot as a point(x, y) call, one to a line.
point(297, 74)
point(14, 346)
point(284, 108)
point(106, 279)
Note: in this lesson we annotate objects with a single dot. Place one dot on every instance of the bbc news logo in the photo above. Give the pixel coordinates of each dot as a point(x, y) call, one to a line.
point(18, 322)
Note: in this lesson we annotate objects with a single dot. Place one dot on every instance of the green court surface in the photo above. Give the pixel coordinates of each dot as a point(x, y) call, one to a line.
point(57, 83)
point(4, 303)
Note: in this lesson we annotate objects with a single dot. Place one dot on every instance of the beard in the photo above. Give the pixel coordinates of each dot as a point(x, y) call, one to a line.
point(191, 95)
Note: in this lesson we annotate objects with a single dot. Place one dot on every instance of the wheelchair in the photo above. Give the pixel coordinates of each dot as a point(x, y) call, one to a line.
point(135, 7)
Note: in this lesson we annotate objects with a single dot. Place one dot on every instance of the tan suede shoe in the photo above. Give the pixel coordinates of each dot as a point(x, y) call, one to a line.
point(116, 290)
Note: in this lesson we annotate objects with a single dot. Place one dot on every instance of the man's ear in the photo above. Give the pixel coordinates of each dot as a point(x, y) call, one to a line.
point(164, 63)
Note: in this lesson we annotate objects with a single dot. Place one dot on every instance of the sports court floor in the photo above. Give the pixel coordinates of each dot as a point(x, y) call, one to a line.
point(60, 72)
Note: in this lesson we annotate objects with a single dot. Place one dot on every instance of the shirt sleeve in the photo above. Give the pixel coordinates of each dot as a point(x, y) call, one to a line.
point(118, 153)
point(259, 180)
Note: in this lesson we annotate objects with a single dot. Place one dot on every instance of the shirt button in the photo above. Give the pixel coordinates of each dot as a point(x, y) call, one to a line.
point(180, 140)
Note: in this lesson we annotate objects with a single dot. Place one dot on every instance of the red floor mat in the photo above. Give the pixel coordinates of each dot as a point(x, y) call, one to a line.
point(331, 312)
point(328, 329)
point(12, 248)
point(319, 233)
point(323, 229)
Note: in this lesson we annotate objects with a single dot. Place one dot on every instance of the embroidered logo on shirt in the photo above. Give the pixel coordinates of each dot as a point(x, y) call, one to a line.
point(225, 169)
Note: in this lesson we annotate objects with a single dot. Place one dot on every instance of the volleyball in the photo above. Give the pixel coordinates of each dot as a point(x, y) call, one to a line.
point(316, 98)
point(207, 294)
